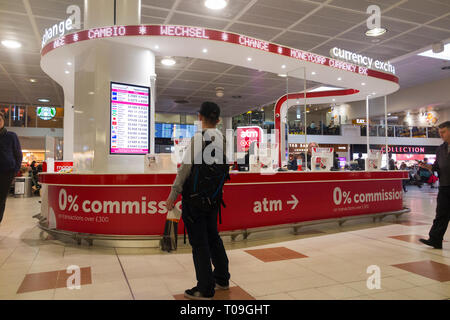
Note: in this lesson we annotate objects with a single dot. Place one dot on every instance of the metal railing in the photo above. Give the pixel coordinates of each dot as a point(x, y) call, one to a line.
point(401, 131)
point(324, 131)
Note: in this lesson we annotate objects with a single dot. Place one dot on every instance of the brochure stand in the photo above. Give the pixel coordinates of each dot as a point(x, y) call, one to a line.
point(322, 159)
point(373, 161)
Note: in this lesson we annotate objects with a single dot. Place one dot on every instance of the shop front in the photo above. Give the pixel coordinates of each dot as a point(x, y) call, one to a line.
point(410, 155)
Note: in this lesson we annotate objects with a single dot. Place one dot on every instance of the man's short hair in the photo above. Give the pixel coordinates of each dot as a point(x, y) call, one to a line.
point(445, 124)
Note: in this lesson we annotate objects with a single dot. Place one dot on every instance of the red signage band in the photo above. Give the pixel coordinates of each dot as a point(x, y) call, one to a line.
point(142, 210)
point(203, 33)
point(167, 179)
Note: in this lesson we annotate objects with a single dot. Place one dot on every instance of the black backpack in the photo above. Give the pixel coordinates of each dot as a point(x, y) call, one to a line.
point(202, 190)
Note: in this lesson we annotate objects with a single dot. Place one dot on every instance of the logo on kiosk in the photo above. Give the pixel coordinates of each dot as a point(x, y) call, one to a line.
point(60, 29)
point(246, 136)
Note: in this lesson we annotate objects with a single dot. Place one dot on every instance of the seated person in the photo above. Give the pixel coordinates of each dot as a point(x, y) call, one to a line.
point(292, 164)
point(361, 162)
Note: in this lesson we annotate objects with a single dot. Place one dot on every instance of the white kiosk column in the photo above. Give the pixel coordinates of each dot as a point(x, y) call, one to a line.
point(227, 123)
point(100, 13)
point(68, 130)
point(105, 62)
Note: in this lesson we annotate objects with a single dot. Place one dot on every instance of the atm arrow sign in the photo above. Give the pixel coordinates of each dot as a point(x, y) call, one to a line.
point(295, 202)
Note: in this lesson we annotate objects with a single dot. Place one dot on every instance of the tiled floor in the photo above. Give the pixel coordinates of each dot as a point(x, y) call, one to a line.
point(319, 262)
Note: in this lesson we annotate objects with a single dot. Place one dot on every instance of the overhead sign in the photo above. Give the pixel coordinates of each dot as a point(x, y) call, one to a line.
point(130, 119)
point(410, 149)
point(61, 28)
point(359, 121)
point(46, 113)
point(203, 33)
point(362, 60)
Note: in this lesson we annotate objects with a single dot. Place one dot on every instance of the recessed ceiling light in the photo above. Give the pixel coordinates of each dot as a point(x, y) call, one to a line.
point(313, 73)
point(43, 100)
point(339, 79)
point(66, 72)
point(389, 114)
point(283, 66)
point(11, 44)
point(91, 92)
point(282, 75)
point(69, 63)
point(205, 50)
point(375, 32)
point(168, 61)
point(444, 55)
point(33, 80)
point(156, 47)
point(363, 83)
point(334, 99)
point(216, 4)
point(249, 59)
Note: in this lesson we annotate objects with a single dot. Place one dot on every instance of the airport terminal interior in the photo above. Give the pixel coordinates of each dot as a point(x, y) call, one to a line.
point(335, 112)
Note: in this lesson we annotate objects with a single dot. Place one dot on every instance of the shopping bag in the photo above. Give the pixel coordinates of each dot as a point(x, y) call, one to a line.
point(432, 179)
point(169, 239)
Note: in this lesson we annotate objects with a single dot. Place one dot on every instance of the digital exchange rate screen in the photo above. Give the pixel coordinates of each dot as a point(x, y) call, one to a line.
point(130, 119)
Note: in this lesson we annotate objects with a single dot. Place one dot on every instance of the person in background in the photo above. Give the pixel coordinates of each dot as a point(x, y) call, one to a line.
point(361, 162)
point(292, 164)
point(391, 163)
point(404, 181)
point(10, 161)
point(425, 171)
point(442, 167)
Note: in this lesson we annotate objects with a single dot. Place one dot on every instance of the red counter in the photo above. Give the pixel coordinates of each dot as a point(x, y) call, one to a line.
point(134, 204)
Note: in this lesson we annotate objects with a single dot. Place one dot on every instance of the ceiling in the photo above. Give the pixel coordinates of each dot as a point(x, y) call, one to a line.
point(311, 25)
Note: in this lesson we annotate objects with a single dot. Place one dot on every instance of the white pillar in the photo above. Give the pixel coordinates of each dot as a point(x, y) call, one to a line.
point(227, 123)
point(100, 13)
point(96, 68)
point(68, 130)
point(128, 12)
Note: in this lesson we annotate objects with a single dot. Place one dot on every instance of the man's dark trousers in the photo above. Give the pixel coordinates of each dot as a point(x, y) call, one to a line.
point(5, 184)
point(207, 247)
point(440, 223)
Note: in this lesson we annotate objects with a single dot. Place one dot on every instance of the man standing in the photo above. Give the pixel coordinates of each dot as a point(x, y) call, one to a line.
point(10, 161)
point(442, 166)
point(201, 221)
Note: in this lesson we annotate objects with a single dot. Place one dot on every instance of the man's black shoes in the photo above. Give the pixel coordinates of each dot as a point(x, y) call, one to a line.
point(431, 243)
point(195, 294)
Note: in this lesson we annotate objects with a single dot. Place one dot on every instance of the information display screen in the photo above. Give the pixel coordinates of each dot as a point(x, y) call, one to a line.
point(165, 130)
point(130, 119)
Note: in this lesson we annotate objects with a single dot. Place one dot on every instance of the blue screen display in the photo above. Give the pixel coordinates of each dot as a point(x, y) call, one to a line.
point(165, 130)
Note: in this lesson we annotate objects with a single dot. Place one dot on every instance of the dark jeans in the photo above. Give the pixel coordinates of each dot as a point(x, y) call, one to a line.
point(440, 222)
point(5, 184)
point(207, 247)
